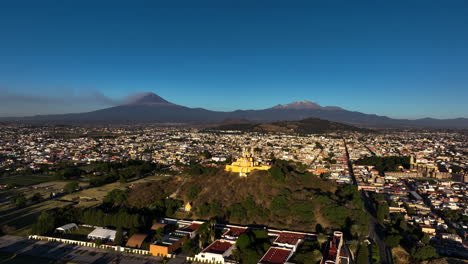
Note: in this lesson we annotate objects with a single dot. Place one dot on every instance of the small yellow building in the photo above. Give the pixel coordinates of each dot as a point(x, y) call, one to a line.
point(187, 207)
point(246, 164)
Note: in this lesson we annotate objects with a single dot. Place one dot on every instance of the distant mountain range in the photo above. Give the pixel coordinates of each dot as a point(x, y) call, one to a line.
point(150, 107)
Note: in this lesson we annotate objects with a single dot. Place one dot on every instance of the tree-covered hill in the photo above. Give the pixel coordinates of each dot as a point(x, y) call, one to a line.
point(305, 126)
point(286, 196)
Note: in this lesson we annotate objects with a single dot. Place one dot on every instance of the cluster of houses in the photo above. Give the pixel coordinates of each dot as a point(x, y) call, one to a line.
point(284, 244)
point(425, 204)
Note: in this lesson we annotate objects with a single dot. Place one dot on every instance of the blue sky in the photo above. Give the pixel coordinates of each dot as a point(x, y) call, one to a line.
point(397, 58)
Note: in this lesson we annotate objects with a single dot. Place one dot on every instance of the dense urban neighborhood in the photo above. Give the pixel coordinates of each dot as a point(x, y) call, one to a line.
point(179, 194)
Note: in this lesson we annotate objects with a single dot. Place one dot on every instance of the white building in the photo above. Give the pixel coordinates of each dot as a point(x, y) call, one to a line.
point(102, 234)
point(66, 228)
point(216, 252)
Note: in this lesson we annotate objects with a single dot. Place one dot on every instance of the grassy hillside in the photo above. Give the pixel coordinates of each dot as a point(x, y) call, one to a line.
point(283, 197)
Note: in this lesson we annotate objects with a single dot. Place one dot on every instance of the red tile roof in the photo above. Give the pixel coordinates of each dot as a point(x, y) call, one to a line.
point(332, 249)
point(192, 227)
point(218, 247)
point(235, 231)
point(289, 238)
point(275, 256)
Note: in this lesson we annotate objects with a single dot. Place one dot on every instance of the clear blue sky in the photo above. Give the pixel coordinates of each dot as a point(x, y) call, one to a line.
point(397, 58)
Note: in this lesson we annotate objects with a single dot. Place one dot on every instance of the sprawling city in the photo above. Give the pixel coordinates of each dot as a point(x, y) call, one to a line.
point(233, 132)
point(148, 193)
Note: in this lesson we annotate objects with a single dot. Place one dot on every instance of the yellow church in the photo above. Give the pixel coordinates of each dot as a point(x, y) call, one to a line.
point(245, 164)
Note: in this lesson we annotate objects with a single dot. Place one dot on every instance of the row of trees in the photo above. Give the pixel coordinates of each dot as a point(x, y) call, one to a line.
point(49, 220)
point(107, 172)
point(19, 199)
point(121, 218)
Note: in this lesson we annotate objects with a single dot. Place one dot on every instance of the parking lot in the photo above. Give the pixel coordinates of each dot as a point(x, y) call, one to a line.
point(71, 253)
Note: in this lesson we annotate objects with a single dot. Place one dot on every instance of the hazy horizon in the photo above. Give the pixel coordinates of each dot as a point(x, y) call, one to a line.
point(399, 59)
point(101, 101)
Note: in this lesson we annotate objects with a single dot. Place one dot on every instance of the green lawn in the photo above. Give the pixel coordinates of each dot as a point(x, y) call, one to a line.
point(23, 180)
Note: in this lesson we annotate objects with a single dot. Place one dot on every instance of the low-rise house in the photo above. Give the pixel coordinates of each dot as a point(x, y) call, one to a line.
point(276, 255)
point(136, 240)
point(167, 245)
point(216, 252)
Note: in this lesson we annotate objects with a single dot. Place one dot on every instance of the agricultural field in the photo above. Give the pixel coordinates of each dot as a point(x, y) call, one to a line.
point(45, 190)
point(93, 196)
point(18, 221)
point(23, 180)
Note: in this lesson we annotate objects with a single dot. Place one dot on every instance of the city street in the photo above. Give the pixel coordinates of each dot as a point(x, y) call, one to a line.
point(375, 229)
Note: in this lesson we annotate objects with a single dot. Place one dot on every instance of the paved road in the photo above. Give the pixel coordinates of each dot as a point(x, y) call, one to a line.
point(376, 233)
point(71, 253)
point(313, 160)
point(375, 229)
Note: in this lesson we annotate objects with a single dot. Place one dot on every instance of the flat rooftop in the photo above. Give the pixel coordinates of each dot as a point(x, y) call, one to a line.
point(275, 256)
point(103, 233)
point(169, 239)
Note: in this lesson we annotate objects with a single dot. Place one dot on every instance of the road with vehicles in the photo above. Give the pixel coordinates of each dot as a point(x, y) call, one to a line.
point(376, 233)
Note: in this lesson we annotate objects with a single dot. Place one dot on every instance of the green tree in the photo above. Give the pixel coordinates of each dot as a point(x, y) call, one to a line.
point(393, 240)
point(188, 246)
point(363, 254)
point(119, 236)
point(426, 239)
point(382, 212)
point(19, 200)
point(36, 197)
point(45, 223)
point(115, 197)
point(215, 208)
point(311, 257)
point(308, 253)
point(193, 192)
point(243, 241)
point(375, 253)
point(318, 145)
point(71, 187)
point(277, 174)
point(70, 173)
point(423, 253)
point(251, 246)
point(205, 234)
